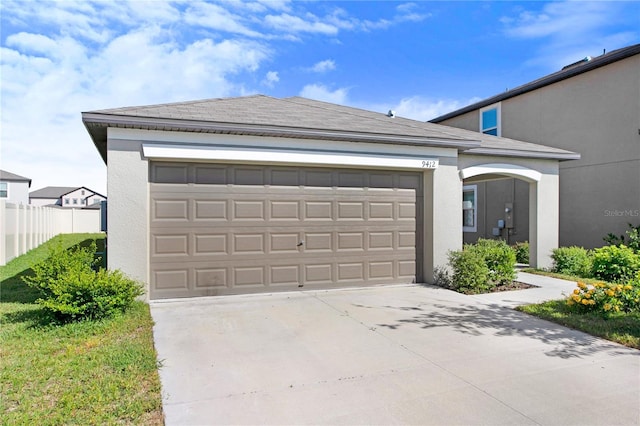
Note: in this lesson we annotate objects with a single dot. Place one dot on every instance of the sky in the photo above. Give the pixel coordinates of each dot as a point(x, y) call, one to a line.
point(421, 59)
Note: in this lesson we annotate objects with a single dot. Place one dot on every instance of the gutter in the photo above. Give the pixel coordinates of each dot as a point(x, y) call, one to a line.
point(149, 123)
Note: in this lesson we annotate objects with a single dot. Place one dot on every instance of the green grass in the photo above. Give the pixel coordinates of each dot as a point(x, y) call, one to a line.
point(620, 327)
point(89, 372)
point(623, 328)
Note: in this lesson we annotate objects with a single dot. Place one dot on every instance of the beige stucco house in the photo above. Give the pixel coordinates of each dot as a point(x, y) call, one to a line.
point(591, 107)
point(254, 194)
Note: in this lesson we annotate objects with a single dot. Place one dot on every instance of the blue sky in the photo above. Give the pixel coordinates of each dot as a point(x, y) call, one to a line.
point(422, 59)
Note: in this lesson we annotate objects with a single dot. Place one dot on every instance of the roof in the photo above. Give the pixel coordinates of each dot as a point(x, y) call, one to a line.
point(302, 118)
point(572, 70)
point(12, 177)
point(52, 191)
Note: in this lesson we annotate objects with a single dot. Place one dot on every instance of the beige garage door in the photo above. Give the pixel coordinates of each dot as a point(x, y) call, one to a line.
point(232, 229)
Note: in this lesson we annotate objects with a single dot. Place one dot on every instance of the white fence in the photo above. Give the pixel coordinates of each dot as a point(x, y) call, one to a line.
point(23, 228)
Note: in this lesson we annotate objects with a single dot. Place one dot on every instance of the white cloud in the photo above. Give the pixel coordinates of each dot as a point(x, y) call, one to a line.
point(290, 23)
point(270, 78)
point(420, 108)
point(571, 30)
point(320, 92)
point(217, 18)
point(323, 66)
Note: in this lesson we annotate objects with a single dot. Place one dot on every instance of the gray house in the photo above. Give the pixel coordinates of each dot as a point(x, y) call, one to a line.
point(258, 194)
point(591, 107)
point(14, 188)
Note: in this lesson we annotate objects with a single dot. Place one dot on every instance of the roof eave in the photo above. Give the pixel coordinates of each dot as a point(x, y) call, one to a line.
point(561, 156)
point(94, 121)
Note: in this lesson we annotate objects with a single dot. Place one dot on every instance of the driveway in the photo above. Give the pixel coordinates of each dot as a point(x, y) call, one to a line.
point(404, 354)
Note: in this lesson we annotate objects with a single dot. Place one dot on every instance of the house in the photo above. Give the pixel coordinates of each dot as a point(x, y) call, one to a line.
point(14, 188)
point(66, 196)
point(255, 194)
point(592, 107)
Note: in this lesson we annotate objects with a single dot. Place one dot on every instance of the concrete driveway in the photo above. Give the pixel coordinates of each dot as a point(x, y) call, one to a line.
point(385, 355)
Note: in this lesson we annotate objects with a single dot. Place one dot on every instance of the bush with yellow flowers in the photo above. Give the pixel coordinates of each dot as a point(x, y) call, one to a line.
point(606, 298)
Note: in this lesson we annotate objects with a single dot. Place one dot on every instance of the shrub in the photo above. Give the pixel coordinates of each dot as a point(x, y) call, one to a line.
point(572, 261)
point(633, 238)
point(615, 263)
point(72, 289)
point(522, 252)
point(606, 298)
point(499, 258)
point(470, 273)
point(441, 277)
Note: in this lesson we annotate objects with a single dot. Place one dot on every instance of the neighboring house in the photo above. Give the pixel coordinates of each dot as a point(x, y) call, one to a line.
point(591, 107)
point(66, 196)
point(255, 194)
point(14, 188)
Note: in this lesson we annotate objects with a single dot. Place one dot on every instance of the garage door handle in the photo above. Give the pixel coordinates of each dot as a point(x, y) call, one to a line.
point(301, 243)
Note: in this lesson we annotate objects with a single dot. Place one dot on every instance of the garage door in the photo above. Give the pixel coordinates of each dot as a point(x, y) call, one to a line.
point(233, 229)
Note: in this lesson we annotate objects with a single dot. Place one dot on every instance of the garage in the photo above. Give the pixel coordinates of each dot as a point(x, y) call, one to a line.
point(218, 229)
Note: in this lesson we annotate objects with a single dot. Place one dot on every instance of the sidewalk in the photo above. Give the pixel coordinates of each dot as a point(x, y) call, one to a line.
point(548, 289)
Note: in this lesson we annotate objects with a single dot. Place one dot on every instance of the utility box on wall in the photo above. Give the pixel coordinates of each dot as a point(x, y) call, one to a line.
point(508, 215)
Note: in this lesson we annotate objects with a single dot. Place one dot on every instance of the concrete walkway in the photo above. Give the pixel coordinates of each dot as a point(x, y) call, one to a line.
point(388, 355)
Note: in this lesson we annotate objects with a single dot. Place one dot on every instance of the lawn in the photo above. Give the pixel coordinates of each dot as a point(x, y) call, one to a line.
point(620, 327)
point(89, 372)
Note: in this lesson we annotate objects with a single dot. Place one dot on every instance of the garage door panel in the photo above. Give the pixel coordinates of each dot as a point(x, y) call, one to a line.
point(215, 210)
point(243, 229)
point(170, 210)
point(170, 245)
point(249, 276)
point(284, 210)
point(211, 244)
point(284, 275)
point(248, 210)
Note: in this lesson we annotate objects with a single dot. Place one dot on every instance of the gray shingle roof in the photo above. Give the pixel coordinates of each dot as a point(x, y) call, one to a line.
point(12, 177)
point(567, 72)
point(52, 191)
point(302, 118)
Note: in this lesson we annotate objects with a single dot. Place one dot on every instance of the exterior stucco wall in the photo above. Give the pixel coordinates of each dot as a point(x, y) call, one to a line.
point(43, 201)
point(128, 211)
point(442, 216)
point(596, 114)
point(543, 203)
point(17, 192)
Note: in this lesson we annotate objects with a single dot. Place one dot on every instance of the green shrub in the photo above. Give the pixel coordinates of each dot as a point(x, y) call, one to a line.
point(442, 277)
point(72, 289)
point(470, 273)
point(572, 261)
point(615, 263)
point(522, 252)
point(499, 258)
point(632, 241)
point(607, 298)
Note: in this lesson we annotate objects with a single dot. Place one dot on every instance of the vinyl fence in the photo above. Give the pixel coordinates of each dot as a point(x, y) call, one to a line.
point(24, 227)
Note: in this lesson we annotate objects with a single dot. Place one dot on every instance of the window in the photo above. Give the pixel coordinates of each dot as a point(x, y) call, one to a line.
point(3, 190)
point(469, 208)
point(66, 201)
point(75, 201)
point(490, 120)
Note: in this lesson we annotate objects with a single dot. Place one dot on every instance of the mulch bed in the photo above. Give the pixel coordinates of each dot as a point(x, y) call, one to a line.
point(514, 285)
